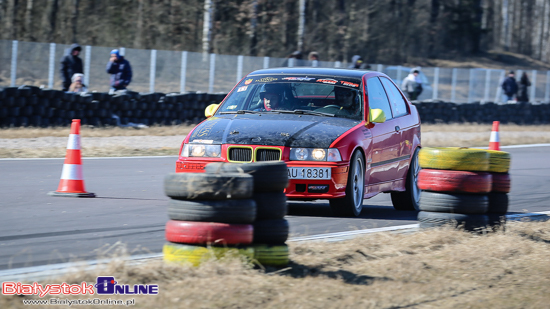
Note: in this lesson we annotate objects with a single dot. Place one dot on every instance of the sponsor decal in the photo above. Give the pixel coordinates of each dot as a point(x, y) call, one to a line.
point(266, 79)
point(203, 141)
point(299, 78)
point(205, 129)
point(243, 88)
point(317, 188)
point(327, 81)
point(232, 107)
point(349, 84)
point(248, 81)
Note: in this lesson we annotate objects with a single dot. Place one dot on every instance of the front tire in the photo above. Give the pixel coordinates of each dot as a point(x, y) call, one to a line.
point(352, 203)
point(409, 199)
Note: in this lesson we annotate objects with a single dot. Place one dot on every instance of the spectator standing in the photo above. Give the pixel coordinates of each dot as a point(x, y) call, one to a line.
point(357, 63)
point(510, 86)
point(524, 83)
point(297, 56)
point(313, 57)
point(120, 70)
point(412, 84)
point(70, 64)
point(77, 83)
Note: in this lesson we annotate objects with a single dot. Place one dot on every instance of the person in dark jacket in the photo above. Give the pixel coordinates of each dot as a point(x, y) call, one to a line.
point(524, 84)
point(120, 70)
point(510, 86)
point(357, 63)
point(70, 65)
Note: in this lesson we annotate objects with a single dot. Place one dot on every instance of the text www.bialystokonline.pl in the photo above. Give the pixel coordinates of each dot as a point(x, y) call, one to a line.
point(79, 302)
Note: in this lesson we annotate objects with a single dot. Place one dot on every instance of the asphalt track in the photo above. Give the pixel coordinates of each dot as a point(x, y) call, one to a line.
point(130, 207)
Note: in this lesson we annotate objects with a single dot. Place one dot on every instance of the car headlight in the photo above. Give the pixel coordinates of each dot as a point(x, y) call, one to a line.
point(198, 150)
point(315, 154)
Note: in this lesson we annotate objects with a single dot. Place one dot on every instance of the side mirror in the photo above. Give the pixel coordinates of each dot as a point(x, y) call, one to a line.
point(377, 115)
point(210, 110)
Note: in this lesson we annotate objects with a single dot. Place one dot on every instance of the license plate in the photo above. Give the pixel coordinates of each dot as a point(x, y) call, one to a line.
point(309, 173)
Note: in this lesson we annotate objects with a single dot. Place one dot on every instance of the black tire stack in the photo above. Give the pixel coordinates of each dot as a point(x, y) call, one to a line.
point(270, 228)
point(211, 216)
point(455, 186)
point(499, 166)
point(32, 106)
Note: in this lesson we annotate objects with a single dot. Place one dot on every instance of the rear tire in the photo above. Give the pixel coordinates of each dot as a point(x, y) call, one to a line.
point(352, 203)
point(409, 199)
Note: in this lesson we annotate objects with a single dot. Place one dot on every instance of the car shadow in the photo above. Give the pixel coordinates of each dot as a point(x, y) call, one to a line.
point(322, 210)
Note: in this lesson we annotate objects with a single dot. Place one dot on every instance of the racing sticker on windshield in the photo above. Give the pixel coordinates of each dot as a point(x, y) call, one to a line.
point(266, 79)
point(307, 79)
point(327, 81)
point(248, 81)
point(243, 88)
point(232, 107)
point(349, 84)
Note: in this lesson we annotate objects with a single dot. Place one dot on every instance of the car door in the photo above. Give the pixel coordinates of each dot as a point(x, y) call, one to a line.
point(403, 125)
point(385, 139)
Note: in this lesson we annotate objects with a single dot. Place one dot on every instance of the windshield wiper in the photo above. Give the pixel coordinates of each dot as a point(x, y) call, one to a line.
point(306, 112)
point(241, 112)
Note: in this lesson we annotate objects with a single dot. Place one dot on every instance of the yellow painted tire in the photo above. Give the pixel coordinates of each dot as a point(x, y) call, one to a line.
point(454, 158)
point(268, 255)
point(195, 255)
point(499, 161)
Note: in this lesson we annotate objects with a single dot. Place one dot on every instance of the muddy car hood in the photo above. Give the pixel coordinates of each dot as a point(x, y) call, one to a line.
point(272, 130)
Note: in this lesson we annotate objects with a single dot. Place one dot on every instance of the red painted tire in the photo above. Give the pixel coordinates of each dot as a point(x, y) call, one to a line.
point(454, 181)
point(202, 233)
point(501, 182)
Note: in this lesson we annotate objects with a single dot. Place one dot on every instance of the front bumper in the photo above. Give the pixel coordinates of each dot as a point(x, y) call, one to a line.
point(297, 188)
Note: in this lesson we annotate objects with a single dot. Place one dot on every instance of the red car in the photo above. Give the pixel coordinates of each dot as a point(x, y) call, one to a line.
point(344, 134)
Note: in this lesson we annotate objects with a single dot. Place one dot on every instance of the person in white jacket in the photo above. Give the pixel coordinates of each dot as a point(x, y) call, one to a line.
point(412, 84)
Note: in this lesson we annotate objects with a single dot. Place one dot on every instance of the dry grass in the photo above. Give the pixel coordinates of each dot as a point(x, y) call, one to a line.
point(442, 268)
point(106, 142)
point(90, 131)
point(478, 135)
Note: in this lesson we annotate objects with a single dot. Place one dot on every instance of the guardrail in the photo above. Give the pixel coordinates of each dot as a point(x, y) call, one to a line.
point(31, 63)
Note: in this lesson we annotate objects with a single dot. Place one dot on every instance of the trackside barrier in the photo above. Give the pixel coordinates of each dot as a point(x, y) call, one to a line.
point(32, 106)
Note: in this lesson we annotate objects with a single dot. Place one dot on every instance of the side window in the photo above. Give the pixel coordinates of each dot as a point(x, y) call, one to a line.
point(398, 105)
point(377, 97)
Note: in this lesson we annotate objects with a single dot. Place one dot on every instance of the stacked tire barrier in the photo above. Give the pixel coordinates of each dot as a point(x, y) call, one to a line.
point(211, 216)
point(270, 228)
point(476, 112)
point(457, 187)
point(499, 166)
point(32, 106)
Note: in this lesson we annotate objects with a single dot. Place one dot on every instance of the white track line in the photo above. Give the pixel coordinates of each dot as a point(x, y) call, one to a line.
point(54, 270)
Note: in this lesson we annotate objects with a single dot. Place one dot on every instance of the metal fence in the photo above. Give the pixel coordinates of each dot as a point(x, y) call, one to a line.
point(29, 63)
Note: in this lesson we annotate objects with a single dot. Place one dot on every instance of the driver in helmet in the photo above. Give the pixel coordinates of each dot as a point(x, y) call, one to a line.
point(348, 100)
point(271, 97)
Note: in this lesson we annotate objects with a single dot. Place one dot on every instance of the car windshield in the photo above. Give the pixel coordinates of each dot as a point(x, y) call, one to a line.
point(317, 95)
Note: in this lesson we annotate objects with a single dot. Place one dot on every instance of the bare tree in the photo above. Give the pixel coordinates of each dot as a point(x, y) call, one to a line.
point(29, 21)
point(74, 19)
point(11, 21)
point(49, 20)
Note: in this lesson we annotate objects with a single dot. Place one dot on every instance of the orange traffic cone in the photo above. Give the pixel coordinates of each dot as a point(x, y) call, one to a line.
point(72, 182)
point(494, 142)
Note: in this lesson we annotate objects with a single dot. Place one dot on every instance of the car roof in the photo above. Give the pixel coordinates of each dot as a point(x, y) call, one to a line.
point(315, 71)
